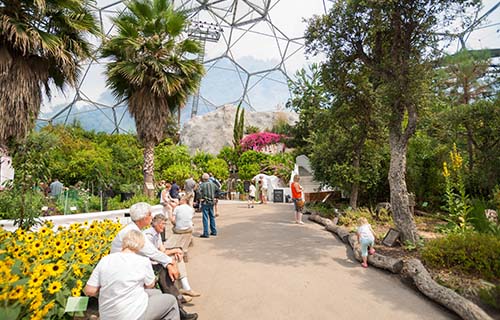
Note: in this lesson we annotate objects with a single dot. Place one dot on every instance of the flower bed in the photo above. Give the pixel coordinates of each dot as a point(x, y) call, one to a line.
point(41, 269)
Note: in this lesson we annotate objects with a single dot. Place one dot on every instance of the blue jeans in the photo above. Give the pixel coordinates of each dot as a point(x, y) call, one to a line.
point(208, 213)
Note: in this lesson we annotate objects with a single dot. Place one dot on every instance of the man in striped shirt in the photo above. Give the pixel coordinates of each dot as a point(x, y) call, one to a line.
point(208, 190)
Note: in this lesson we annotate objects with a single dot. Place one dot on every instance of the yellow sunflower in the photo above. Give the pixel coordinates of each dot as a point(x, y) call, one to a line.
point(55, 287)
point(16, 293)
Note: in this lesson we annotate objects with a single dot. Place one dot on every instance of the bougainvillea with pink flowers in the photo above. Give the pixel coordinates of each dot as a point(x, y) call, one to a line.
point(257, 141)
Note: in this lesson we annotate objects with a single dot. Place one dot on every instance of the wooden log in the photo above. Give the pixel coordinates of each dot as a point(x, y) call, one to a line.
point(341, 232)
point(377, 260)
point(442, 295)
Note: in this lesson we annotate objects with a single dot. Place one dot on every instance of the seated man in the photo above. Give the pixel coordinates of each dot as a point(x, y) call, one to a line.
point(123, 282)
point(153, 234)
point(182, 217)
point(140, 213)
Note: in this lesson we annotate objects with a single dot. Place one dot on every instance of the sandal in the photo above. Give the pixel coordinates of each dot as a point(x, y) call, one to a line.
point(371, 251)
point(364, 265)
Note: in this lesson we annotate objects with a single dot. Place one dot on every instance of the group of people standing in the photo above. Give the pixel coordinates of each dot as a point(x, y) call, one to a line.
point(178, 208)
point(256, 191)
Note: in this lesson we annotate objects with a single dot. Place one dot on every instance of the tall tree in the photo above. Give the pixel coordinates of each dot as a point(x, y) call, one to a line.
point(392, 40)
point(465, 79)
point(336, 124)
point(41, 42)
point(239, 127)
point(150, 69)
point(309, 97)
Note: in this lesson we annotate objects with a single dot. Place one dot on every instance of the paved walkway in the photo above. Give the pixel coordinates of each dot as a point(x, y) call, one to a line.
point(262, 266)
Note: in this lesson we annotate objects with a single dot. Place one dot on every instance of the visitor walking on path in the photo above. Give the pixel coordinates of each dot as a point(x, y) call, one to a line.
point(297, 198)
point(366, 238)
point(207, 193)
point(251, 194)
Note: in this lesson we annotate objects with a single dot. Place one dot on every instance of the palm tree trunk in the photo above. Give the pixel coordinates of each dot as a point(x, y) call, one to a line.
point(149, 166)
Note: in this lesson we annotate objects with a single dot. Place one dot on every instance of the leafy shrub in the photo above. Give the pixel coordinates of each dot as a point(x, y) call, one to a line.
point(137, 198)
point(251, 157)
point(491, 296)
point(350, 217)
point(248, 171)
point(470, 252)
point(280, 165)
point(9, 204)
point(178, 172)
point(251, 129)
point(218, 168)
point(229, 154)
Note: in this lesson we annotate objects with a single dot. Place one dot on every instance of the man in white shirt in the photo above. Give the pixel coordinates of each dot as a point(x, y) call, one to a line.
point(153, 234)
point(141, 216)
point(124, 281)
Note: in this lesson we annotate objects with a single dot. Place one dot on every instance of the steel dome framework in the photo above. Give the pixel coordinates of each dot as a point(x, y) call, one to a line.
point(227, 30)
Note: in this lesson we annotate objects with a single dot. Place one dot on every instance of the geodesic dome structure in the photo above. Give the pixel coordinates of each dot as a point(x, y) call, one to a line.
point(251, 49)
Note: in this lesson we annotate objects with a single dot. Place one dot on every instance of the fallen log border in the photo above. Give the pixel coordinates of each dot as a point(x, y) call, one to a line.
point(413, 269)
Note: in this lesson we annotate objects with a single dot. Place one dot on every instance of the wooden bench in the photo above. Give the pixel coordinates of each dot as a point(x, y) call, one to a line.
point(180, 240)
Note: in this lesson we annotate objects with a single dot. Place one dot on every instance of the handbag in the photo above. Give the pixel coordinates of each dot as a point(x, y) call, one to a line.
point(300, 203)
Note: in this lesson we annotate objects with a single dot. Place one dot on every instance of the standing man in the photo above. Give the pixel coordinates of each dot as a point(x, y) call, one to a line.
point(217, 192)
point(207, 191)
point(56, 188)
point(189, 187)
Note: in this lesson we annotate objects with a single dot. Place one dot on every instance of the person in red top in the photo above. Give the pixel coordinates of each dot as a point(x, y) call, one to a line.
point(298, 202)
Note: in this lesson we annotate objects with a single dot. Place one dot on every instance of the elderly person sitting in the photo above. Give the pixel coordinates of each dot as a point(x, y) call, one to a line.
point(140, 213)
point(182, 217)
point(153, 234)
point(123, 282)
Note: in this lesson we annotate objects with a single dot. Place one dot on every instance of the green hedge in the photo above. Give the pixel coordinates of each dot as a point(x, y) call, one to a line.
point(472, 253)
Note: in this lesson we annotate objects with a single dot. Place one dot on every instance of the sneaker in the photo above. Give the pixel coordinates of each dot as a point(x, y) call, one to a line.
point(186, 299)
point(364, 265)
point(213, 234)
point(203, 236)
point(190, 293)
point(300, 222)
point(371, 251)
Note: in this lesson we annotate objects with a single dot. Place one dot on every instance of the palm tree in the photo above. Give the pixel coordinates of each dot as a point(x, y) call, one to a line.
point(150, 70)
point(41, 43)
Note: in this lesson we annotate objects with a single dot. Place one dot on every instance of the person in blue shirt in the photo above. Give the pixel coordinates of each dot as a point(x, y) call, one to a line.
point(174, 190)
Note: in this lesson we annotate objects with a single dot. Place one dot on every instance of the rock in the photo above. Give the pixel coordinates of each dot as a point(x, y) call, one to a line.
point(383, 206)
point(491, 215)
point(212, 131)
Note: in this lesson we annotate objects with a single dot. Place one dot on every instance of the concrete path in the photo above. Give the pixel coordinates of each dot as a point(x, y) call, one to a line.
point(262, 266)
